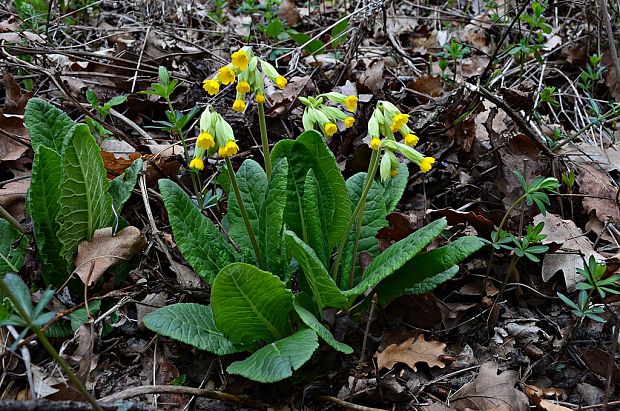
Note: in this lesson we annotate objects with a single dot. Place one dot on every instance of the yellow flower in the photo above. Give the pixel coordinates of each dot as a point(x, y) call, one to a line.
point(211, 86)
point(197, 164)
point(426, 164)
point(330, 129)
point(226, 75)
point(239, 106)
point(281, 82)
point(399, 121)
point(348, 122)
point(375, 143)
point(243, 87)
point(230, 149)
point(240, 59)
point(260, 99)
point(205, 141)
point(351, 103)
point(393, 172)
point(411, 140)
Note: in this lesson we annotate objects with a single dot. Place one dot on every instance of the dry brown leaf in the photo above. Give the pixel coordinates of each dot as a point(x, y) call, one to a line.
point(490, 391)
point(374, 76)
point(597, 184)
point(411, 352)
point(289, 12)
point(569, 257)
point(536, 394)
point(13, 197)
point(105, 250)
point(584, 153)
point(12, 136)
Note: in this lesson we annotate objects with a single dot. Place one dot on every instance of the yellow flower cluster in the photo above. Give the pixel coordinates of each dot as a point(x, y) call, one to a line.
point(216, 136)
point(248, 70)
point(319, 116)
point(384, 122)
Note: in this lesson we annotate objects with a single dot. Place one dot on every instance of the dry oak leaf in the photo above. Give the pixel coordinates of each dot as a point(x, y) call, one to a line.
point(604, 195)
point(411, 352)
point(569, 257)
point(490, 391)
point(105, 250)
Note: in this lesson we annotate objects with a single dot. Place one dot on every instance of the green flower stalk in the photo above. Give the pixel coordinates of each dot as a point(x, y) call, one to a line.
point(217, 137)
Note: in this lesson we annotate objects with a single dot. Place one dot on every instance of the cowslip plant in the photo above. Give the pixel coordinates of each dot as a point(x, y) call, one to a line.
point(69, 196)
point(293, 228)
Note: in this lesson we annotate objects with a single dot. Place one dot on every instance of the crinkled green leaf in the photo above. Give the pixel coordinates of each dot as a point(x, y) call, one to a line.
point(122, 186)
point(277, 361)
point(250, 304)
point(47, 125)
point(272, 221)
point(43, 203)
point(426, 271)
point(252, 182)
point(324, 289)
point(199, 241)
point(313, 323)
point(12, 248)
point(396, 256)
point(85, 203)
point(191, 324)
point(309, 151)
point(314, 218)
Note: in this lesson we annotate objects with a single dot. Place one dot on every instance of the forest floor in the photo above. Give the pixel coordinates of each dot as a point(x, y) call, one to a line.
point(488, 92)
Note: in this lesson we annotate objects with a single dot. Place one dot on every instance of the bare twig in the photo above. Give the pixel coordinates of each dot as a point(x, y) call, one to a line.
point(174, 389)
point(347, 405)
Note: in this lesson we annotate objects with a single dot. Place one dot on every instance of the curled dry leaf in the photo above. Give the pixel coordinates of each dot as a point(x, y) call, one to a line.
point(536, 394)
point(411, 352)
point(105, 250)
point(569, 257)
point(490, 391)
point(13, 197)
point(14, 138)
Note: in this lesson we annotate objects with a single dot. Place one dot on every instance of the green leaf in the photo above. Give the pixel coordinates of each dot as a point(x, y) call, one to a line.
point(337, 30)
point(309, 151)
point(396, 256)
point(191, 324)
point(395, 187)
point(426, 271)
point(314, 218)
point(277, 361)
point(324, 289)
point(313, 46)
point(43, 204)
point(47, 125)
point(12, 248)
point(122, 186)
point(85, 203)
point(272, 221)
point(314, 324)
point(252, 182)
point(274, 28)
point(373, 220)
point(79, 317)
point(20, 291)
point(199, 241)
point(250, 304)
